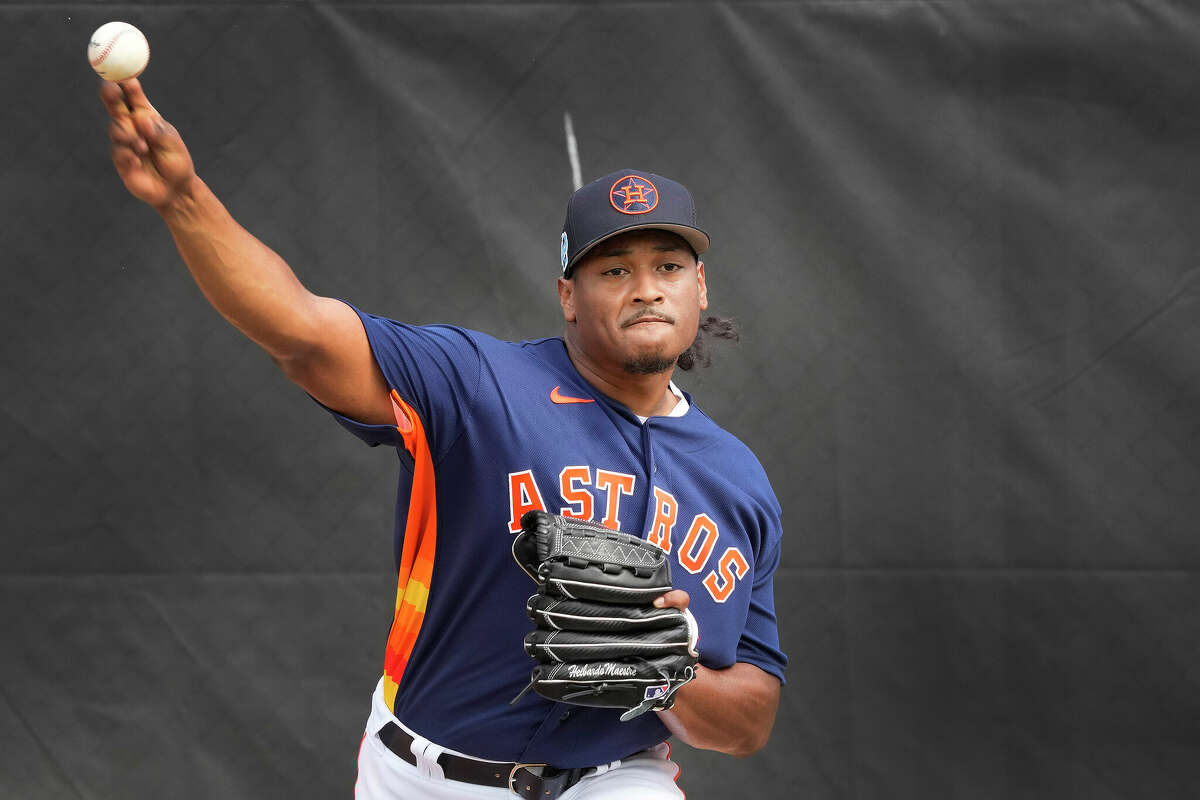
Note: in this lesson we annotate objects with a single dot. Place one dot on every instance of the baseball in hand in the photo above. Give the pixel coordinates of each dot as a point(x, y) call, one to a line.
point(118, 51)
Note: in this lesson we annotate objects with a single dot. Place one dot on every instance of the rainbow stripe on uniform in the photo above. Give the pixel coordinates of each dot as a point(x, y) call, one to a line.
point(416, 558)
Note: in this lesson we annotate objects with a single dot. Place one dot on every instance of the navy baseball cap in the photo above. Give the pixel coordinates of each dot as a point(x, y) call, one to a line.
point(627, 200)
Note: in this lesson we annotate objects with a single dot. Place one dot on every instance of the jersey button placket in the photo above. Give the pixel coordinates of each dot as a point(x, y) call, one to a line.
point(648, 449)
point(650, 466)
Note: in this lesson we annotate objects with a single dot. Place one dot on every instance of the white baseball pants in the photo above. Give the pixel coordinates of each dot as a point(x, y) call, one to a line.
point(382, 775)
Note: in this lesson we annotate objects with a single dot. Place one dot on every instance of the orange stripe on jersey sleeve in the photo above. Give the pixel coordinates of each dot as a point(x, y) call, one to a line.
point(416, 554)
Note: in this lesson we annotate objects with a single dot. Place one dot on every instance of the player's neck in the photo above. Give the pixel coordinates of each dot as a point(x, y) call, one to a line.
point(645, 395)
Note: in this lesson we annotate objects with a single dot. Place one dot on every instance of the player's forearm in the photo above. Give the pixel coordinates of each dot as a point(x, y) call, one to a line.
point(243, 279)
point(729, 710)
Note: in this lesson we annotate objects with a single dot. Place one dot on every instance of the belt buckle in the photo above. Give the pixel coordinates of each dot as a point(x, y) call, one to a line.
point(512, 777)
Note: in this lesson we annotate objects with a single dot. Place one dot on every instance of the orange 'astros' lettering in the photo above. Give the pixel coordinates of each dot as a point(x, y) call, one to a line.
point(665, 509)
point(731, 567)
point(575, 485)
point(579, 497)
point(698, 544)
point(616, 484)
point(523, 495)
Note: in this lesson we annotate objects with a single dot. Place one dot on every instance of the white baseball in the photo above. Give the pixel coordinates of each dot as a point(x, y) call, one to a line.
point(118, 51)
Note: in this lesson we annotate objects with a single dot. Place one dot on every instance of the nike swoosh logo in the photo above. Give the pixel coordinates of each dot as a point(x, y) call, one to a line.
point(562, 399)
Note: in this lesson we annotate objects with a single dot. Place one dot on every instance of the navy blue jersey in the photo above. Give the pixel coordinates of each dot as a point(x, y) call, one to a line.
point(488, 429)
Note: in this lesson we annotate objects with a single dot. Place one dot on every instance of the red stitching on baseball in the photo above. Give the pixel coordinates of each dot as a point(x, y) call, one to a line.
point(108, 47)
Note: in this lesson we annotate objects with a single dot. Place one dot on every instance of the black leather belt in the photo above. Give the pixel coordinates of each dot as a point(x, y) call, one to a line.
point(511, 775)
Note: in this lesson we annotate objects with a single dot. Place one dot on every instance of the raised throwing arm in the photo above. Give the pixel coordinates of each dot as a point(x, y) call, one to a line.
point(317, 341)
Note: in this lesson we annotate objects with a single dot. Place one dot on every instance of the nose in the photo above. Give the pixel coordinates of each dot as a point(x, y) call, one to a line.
point(646, 289)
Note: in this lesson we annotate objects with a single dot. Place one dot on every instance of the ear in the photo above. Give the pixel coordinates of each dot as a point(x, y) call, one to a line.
point(703, 287)
point(566, 298)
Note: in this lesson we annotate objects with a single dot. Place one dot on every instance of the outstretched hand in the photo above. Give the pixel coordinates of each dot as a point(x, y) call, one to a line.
point(147, 151)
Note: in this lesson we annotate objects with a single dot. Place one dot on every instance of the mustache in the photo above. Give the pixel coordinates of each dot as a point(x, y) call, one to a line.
point(647, 313)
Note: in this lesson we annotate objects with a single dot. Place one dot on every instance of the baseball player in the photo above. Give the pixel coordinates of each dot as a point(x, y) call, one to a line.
point(588, 426)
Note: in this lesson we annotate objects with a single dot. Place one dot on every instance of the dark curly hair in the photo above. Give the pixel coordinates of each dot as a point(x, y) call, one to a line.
point(700, 353)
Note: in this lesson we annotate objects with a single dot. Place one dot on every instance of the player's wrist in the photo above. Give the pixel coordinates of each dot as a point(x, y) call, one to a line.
point(185, 204)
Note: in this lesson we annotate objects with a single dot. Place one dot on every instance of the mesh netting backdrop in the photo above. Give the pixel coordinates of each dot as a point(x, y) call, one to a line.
point(960, 240)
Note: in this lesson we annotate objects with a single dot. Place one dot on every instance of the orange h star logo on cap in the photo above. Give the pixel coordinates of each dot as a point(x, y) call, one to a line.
point(633, 194)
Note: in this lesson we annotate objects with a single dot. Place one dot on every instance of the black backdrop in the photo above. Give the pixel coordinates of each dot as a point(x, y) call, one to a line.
point(961, 241)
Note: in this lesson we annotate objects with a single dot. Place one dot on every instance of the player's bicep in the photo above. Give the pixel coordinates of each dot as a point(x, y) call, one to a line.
point(338, 368)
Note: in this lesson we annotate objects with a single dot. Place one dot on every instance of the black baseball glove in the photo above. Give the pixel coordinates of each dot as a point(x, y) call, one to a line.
point(599, 640)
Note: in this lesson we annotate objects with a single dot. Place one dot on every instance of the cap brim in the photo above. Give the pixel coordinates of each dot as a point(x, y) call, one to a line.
point(695, 237)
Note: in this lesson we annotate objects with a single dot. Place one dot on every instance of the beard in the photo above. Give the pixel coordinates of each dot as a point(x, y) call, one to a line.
point(649, 364)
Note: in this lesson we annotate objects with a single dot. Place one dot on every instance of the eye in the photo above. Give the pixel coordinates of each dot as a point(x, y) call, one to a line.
point(615, 271)
point(670, 267)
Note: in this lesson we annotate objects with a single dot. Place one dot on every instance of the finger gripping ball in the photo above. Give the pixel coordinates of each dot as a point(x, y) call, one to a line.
point(117, 51)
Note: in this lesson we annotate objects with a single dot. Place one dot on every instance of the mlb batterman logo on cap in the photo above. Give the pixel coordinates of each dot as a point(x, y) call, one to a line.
point(627, 200)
